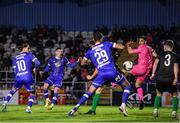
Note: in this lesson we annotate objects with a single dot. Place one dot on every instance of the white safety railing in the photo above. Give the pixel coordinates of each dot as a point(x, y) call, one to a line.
point(7, 80)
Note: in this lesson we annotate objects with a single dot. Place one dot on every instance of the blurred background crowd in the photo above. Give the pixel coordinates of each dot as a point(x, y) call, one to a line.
point(44, 39)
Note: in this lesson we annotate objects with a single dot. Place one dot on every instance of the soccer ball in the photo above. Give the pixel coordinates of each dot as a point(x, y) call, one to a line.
point(127, 65)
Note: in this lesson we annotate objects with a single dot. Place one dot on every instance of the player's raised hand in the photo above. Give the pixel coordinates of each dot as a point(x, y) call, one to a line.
point(89, 77)
point(152, 77)
point(41, 74)
point(79, 59)
point(34, 70)
point(175, 82)
point(129, 43)
point(113, 84)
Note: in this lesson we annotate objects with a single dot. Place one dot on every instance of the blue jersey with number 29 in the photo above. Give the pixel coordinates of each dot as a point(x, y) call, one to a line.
point(101, 56)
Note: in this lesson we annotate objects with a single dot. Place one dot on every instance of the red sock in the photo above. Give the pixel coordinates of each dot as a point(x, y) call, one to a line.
point(140, 93)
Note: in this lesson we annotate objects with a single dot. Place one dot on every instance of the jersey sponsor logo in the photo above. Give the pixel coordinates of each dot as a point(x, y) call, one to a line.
point(22, 73)
point(58, 64)
point(103, 64)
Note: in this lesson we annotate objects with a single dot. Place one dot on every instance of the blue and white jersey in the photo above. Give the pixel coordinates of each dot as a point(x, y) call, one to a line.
point(101, 56)
point(22, 65)
point(57, 65)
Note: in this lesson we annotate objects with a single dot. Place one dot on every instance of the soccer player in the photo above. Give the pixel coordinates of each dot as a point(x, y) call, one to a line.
point(98, 92)
point(144, 66)
point(56, 65)
point(22, 65)
point(101, 56)
point(166, 70)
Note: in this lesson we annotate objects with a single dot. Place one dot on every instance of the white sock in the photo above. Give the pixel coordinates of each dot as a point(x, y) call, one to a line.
point(28, 107)
point(77, 105)
point(123, 105)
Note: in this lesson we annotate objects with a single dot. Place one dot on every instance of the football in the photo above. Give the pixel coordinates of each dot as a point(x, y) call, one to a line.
point(127, 65)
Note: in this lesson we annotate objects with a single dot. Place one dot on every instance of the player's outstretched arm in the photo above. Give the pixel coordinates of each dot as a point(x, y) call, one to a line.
point(118, 46)
point(155, 65)
point(47, 68)
point(176, 71)
point(154, 54)
point(129, 49)
point(84, 61)
point(73, 65)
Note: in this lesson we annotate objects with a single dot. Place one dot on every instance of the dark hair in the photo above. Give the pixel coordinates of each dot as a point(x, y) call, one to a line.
point(58, 48)
point(103, 29)
point(23, 45)
point(91, 43)
point(97, 35)
point(143, 37)
point(169, 43)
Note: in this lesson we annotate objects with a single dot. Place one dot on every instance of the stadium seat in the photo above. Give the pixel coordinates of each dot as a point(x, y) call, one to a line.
point(76, 33)
point(56, 45)
point(84, 34)
point(46, 51)
point(71, 34)
point(13, 46)
point(63, 46)
point(6, 45)
point(52, 50)
point(90, 34)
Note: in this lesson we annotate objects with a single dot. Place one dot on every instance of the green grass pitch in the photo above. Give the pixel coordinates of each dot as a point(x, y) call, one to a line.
point(104, 114)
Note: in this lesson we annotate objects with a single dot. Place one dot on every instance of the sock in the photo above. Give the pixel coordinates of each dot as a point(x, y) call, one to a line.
point(125, 95)
point(96, 99)
point(10, 94)
point(46, 94)
point(140, 93)
point(84, 98)
point(54, 99)
point(123, 105)
point(157, 102)
point(31, 100)
point(175, 103)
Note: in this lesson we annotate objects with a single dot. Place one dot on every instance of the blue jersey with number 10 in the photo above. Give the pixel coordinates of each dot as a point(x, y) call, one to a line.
point(101, 56)
point(22, 65)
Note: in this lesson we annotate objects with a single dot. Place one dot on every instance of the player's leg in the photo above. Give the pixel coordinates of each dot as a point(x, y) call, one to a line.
point(31, 89)
point(157, 101)
point(175, 101)
point(46, 94)
point(139, 82)
point(140, 92)
point(48, 82)
point(98, 81)
point(95, 101)
point(15, 87)
point(30, 101)
point(55, 97)
point(125, 96)
point(57, 85)
point(8, 98)
point(140, 72)
point(121, 80)
point(83, 99)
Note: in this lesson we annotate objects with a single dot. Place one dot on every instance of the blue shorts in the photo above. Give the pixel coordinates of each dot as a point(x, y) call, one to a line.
point(55, 81)
point(29, 85)
point(108, 76)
